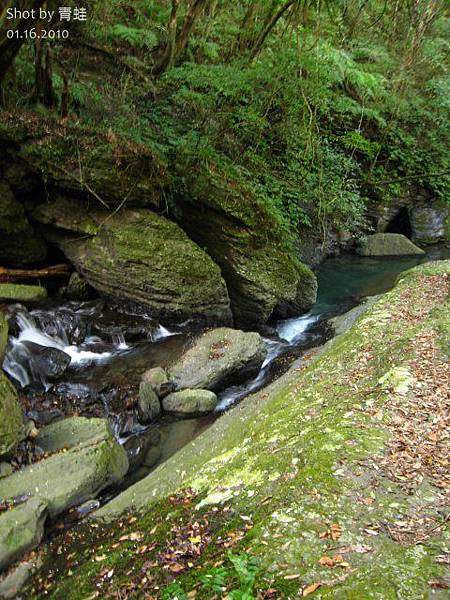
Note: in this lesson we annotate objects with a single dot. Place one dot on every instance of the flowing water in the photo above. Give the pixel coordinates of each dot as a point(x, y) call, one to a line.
point(79, 358)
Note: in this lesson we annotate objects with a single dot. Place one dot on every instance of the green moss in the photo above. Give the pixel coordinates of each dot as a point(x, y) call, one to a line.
point(22, 293)
point(3, 334)
point(10, 417)
point(290, 461)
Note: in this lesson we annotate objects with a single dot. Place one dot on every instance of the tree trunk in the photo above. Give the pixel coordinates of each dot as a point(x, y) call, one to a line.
point(10, 47)
point(270, 24)
point(169, 51)
point(177, 41)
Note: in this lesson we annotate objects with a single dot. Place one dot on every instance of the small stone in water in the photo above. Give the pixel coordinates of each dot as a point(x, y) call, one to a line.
point(86, 508)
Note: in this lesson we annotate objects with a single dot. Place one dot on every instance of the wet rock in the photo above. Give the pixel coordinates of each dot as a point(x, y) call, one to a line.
point(77, 288)
point(48, 362)
point(12, 292)
point(152, 265)
point(10, 417)
point(157, 378)
point(131, 327)
point(94, 460)
point(21, 528)
point(45, 417)
point(86, 508)
point(63, 323)
point(148, 404)
point(138, 447)
point(388, 244)
point(190, 402)
point(219, 357)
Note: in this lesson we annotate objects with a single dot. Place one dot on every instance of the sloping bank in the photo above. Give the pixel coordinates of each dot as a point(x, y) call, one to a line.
point(333, 479)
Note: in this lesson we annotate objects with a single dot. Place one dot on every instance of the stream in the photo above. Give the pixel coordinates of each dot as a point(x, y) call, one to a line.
point(108, 352)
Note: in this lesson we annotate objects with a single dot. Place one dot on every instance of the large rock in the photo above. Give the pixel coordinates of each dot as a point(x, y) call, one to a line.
point(93, 462)
point(3, 335)
point(12, 292)
point(388, 244)
point(219, 357)
point(190, 403)
point(10, 417)
point(264, 276)
point(139, 259)
point(148, 403)
point(429, 224)
point(20, 244)
point(50, 363)
point(21, 528)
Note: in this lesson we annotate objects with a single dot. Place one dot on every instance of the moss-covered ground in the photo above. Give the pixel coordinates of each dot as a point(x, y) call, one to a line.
point(331, 483)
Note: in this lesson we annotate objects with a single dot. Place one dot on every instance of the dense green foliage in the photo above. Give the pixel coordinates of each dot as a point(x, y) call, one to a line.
point(316, 114)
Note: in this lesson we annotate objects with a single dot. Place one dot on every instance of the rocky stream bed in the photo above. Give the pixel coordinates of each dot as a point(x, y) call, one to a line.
point(108, 396)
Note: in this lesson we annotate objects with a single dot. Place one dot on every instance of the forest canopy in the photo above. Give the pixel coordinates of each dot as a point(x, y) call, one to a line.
point(317, 108)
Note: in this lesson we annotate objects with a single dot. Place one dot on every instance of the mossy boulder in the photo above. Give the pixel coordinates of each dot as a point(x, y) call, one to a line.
point(148, 403)
point(3, 335)
point(139, 260)
point(189, 403)
point(93, 462)
point(12, 292)
point(388, 244)
point(21, 529)
point(84, 162)
point(20, 243)
point(10, 417)
point(218, 358)
point(263, 273)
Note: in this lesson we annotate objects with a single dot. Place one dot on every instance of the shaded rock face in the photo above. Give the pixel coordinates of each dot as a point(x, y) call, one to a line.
point(139, 259)
point(21, 529)
point(93, 462)
point(388, 244)
point(420, 217)
point(20, 244)
point(219, 357)
point(10, 417)
point(429, 224)
point(189, 403)
point(264, 278)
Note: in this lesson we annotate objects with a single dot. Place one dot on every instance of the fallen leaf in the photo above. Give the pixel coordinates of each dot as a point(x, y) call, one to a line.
point(326, 561)
point(100, 558)
point(310, 589)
